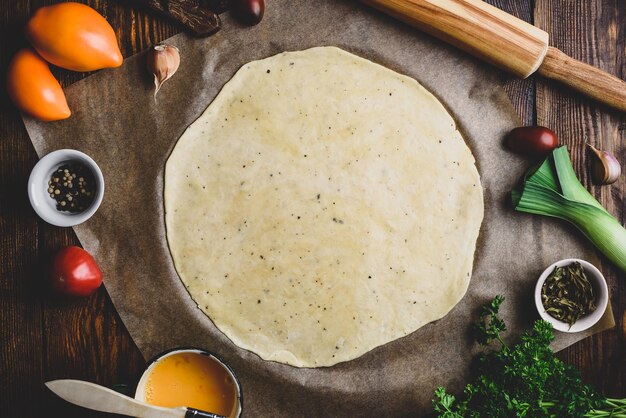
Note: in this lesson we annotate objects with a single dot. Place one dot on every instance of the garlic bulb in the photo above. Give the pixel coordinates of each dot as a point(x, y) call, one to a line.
point(605, 169)
point(163, 61)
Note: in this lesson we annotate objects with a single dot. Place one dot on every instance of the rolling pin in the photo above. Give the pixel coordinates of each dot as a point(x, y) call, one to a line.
point(505, 41)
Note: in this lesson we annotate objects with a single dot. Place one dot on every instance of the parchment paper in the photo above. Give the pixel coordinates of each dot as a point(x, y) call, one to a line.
point(117, 122)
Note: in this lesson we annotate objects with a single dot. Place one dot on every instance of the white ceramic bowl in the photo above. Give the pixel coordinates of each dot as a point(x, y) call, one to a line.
point(599, 287)
point(41, 201)
point(141, 386)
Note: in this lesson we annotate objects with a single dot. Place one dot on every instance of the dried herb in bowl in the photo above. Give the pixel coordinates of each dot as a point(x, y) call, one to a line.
point(567, 294)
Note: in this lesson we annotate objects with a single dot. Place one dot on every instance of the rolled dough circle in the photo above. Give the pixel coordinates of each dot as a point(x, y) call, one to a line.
point(322, 206)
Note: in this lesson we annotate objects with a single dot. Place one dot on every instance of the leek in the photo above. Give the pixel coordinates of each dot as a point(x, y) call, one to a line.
point(552, 189)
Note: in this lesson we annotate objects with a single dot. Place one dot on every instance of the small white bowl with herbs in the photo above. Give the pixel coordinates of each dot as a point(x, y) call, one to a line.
point(572, 295)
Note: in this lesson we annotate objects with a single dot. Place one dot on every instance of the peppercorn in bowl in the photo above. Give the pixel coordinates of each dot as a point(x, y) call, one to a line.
point(66, 187)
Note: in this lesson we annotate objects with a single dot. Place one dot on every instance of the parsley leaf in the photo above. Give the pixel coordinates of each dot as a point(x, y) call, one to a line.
point(524, 380)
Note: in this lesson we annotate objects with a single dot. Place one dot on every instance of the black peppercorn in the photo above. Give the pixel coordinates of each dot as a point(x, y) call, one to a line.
point(73, 187)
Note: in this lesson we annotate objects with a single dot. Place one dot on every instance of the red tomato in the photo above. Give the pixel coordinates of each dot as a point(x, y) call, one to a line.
point(532, 141)
point(75, 272)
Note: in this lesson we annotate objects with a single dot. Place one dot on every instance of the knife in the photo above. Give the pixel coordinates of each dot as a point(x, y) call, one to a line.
point(92, 396)
point(505, 41)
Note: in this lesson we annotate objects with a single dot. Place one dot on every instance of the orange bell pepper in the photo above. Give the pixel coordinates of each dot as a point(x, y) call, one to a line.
point(74, 36)
point(33, 88)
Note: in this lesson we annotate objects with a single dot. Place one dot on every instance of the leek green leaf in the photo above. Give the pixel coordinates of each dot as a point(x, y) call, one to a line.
point(553, 189)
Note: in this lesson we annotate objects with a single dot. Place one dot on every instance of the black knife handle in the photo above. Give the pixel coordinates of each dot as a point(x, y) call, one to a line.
point(195, 413)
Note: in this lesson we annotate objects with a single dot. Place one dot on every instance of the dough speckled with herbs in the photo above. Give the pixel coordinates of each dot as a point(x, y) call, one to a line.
point(322, 206)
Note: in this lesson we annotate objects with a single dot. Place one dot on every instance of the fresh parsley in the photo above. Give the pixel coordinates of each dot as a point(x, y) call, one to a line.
point(523, 380)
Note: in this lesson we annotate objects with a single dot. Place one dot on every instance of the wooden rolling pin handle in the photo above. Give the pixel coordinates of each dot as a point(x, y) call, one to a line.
point(584, 78)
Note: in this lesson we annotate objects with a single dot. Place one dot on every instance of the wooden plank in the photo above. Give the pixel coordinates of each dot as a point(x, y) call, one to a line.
point(520, 91)
point(593, 32)
point(83, 339)
point(86, 339)
point(21, 359)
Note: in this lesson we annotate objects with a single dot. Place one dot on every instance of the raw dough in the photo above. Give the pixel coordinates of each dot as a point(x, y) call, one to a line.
point(322, 206)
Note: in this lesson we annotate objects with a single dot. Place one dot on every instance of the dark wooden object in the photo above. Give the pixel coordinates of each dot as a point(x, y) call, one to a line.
point(42, 338)
point(190, 14)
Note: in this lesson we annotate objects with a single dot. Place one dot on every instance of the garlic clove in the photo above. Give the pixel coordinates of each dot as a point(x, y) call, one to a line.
point(163, 61)
point(605, 169)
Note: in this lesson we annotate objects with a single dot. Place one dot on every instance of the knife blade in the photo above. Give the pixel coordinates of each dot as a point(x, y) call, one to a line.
point(99, 398)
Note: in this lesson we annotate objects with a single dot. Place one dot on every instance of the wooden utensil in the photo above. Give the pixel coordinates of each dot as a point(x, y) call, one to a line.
point(96, 397)
point(506, 42)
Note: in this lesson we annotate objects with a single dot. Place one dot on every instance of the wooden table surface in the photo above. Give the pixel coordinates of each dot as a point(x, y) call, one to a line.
point(42, 338)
